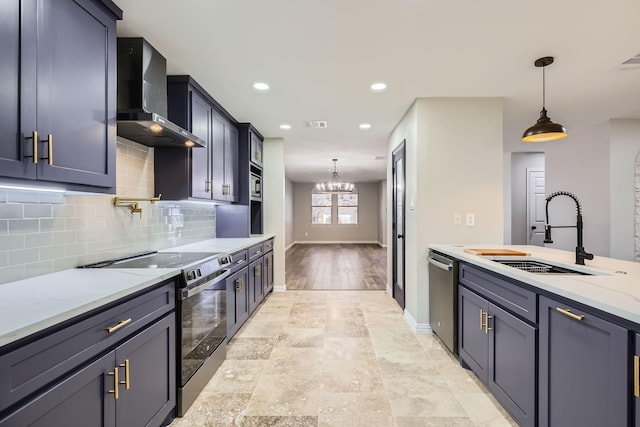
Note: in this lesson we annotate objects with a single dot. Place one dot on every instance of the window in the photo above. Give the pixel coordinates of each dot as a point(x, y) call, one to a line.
point(320, 208)
point(348, 208)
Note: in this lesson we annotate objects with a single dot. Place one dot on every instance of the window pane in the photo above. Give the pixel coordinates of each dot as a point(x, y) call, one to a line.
point(347, 200)
point(347, 215)
point(320, 199)
point(321, 215)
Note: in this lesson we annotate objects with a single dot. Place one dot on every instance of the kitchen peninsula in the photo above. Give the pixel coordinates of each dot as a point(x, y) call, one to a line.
point(554, 349)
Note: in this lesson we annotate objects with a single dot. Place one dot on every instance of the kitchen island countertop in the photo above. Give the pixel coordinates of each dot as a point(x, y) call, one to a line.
point(613, 288)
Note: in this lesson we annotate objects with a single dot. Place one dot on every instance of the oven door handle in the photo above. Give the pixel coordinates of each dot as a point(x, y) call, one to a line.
point(187, 293)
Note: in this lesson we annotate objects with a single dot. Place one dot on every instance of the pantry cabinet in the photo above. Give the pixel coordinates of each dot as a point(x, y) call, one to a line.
point(57, 119)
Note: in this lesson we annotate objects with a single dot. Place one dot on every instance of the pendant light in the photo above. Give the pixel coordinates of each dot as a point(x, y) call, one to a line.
point(335, 185)
point(544, 130)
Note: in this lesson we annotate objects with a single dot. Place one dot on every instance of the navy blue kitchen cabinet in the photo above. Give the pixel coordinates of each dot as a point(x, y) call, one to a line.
point(583, 368)
point(57, 119)
point(636, 379)
point(268, 266)
point(114, 366)
point(498, 346)
point(237, 293)
point(198, 173)
point(256, 284)
point(250, 179)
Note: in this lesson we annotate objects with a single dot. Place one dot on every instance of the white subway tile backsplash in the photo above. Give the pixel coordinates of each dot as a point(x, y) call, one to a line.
point(12, 242)
point(11, 210)
point(50, 252)
point(4, 227)
point(10, 274)
point(23, 256)
point(38, 268)
point(37, 211)
point(49, 197)
point(22, 196)
point(64, 237)
point(38, 240)
point(23, 226)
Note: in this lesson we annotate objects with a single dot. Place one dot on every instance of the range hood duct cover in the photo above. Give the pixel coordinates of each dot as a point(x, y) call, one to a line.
point(142, 98)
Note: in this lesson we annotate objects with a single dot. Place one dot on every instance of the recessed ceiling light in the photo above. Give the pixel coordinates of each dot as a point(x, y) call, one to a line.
point(261, 86)
point(285, 126)
point(378, 86)
point(365, 126)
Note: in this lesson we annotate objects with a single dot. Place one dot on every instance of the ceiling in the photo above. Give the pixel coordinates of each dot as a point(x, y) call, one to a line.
point(320, 57)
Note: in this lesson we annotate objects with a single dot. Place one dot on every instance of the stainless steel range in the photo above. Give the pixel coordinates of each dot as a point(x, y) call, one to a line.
point(201, 312)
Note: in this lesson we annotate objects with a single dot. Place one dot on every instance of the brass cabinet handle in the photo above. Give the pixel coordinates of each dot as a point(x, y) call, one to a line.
point(568, 312)
point(240, 261)
point(115, 383)
point(126, 381)
point(34, 137)
point(486, 323)
point(258, 270)
point(239, 283)
point(207, 186)
point(49, 142)
point(481, 320)
point(118, 326)
point(636, 376)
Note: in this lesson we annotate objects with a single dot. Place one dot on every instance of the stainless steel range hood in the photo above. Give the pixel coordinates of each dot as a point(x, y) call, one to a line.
point(142, 98)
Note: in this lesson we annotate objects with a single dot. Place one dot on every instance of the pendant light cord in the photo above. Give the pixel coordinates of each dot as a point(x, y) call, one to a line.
point(543, 87)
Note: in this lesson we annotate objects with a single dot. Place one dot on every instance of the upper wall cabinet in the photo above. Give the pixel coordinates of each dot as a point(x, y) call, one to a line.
point(198, 173)
point(58, 110)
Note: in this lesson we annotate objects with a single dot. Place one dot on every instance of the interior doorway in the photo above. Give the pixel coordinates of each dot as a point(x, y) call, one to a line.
point(527, 198)
point(536, 201)
point(398, 224)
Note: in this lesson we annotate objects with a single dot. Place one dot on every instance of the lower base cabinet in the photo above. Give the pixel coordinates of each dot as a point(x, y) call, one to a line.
point(500, 349)
point(237, 301)
point(256, 284)
point(132, 385)
point(583, 368)
point(268, 272)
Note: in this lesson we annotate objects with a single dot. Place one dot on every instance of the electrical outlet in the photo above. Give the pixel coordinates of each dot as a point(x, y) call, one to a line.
point(457, 219)
point(471, 219)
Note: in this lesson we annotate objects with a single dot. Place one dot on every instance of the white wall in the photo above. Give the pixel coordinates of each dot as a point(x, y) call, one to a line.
point(579, 164)
point(451, 168)
point(382, 213)
point(365, 232)
point(274, 205)
point(519, 164)
point(288, 213)
point(624, 149)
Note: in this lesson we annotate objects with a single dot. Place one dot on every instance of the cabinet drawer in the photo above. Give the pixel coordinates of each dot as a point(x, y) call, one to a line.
point(239, 260)
point(28, 368)
point(268, 245)
point(255, 251)
point(503, 292)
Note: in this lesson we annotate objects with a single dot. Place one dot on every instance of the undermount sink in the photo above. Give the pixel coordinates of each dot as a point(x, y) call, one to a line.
point(539, 267)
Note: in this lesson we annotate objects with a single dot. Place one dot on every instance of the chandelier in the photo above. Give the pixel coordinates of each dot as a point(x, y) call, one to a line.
point(335, 185)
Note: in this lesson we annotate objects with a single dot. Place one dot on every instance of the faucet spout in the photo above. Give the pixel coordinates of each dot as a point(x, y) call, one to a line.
point(581, 254)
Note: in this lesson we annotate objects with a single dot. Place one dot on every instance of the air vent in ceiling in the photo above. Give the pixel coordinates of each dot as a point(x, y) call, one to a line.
point(316, 124)
point(633, 62)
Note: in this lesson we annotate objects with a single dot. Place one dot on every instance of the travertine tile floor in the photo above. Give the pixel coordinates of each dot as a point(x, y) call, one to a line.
point(339, 358)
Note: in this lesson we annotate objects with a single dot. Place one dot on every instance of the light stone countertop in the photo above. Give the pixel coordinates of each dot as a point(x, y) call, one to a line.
point(614, 288)
point(226, 244)
point(31, 305)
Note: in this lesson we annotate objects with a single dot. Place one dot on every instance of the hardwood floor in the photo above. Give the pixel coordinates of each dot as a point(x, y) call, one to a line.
point(336, 266)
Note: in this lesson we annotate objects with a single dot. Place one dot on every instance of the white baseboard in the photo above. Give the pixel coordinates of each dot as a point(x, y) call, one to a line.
point(289, 247)
point(334, 242)
point(280, 288)
point(382, 245)
point(389, 290)
point(418, 328)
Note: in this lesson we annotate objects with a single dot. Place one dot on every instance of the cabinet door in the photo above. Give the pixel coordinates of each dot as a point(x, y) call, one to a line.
point(201, 156)
point(237, 301)
point(217, 158)
point(147, 371)
point(268, 272)
point(231, 162)
point(76, 89)
point(473, 341)
point(14, 147)
point(84, 399)
point(512, 364)
point(583, 368)
point(256, 289)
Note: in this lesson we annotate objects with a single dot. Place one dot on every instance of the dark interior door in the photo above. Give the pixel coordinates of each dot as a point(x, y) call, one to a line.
point(398, 241)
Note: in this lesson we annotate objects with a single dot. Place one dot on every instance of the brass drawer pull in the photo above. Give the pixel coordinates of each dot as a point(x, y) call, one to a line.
point(119, 325)
point(34, 137)
point(126, 381)
point(568, 312)
point(636, 376)
point(240, 261)
point(239, 283)
point(115, 383)
point(481, 320)
point(486, 324)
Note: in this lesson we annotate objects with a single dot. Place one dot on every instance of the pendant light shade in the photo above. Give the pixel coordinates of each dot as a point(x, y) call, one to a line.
point(335, 185)
point(544, 129)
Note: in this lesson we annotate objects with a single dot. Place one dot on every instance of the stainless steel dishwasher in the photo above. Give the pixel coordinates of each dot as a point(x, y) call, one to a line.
point(443, 299)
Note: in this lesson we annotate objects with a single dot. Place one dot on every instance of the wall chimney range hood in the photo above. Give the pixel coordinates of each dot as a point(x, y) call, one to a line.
point(142, 98)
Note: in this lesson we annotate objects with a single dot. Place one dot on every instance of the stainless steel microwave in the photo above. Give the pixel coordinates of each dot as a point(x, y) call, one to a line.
point(256, 187)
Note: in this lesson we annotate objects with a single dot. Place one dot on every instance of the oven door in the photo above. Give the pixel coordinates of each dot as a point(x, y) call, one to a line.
point(202, 317)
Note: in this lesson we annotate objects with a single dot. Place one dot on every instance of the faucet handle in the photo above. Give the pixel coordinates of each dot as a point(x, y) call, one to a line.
point(547, 234)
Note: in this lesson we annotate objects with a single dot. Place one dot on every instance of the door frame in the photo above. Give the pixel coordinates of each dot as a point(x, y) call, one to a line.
point(398, 292)
point(529, 231)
